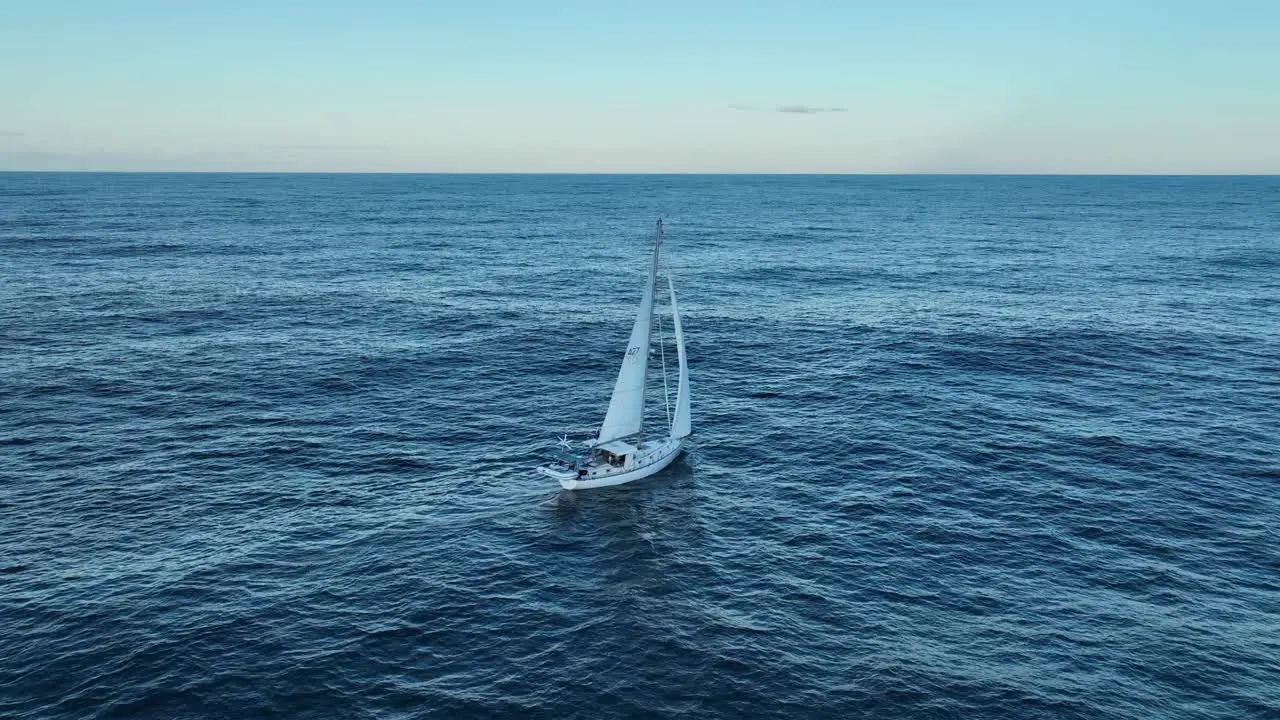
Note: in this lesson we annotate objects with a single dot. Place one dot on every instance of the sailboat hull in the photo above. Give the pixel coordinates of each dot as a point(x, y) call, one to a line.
point(645, 464)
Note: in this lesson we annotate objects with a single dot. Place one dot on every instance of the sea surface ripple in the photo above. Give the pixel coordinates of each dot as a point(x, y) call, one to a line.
point(965, 447)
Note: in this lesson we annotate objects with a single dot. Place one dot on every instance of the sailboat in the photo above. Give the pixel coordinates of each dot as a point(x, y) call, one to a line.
point(622, 451)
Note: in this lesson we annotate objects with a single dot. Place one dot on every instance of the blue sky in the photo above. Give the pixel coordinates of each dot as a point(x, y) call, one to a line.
point(659, 86)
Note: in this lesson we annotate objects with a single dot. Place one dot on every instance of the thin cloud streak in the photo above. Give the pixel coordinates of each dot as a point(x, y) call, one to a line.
point(792, 109)
point(323, 147)
point(808, 110)
point(12, 133)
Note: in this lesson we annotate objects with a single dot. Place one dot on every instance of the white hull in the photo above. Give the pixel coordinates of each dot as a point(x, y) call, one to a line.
point(655, 456)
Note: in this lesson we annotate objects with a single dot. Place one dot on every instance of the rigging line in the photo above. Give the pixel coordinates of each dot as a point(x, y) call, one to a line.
point(648, 341)
point(662, 345)
point(662, 352)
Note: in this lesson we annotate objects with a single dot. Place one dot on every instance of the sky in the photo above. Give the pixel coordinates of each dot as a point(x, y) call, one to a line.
point(800, 86)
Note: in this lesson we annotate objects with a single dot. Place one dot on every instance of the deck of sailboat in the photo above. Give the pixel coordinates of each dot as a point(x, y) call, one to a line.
point(648, 457)
point(640, 450)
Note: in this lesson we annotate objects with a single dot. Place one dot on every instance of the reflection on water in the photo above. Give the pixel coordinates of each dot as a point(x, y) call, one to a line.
point(639, 532)
point(638, 524)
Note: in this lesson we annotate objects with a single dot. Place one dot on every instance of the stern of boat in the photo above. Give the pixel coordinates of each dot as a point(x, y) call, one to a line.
point(559, 472)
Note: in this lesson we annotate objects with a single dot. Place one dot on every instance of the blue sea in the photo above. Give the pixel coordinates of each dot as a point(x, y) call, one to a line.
point(965, 447)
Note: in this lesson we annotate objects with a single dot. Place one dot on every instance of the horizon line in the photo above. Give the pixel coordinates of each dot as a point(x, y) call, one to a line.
point(647, 173)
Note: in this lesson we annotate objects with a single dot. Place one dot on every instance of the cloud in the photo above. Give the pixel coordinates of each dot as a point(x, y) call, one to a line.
point(808, 110)
point(792, 109)
point(11, 133)
point(324, 147)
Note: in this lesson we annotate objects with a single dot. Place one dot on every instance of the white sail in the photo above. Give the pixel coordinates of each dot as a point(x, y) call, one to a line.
point(681, 422)
point(626, 406)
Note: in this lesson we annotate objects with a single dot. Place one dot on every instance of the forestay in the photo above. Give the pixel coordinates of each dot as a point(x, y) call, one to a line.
point(626, 406)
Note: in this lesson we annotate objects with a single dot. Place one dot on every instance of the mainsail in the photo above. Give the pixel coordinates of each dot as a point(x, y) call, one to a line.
point(680, 422)
point(626, 406)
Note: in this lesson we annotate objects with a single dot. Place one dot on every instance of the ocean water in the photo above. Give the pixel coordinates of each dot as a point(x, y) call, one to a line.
point(965, 447)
